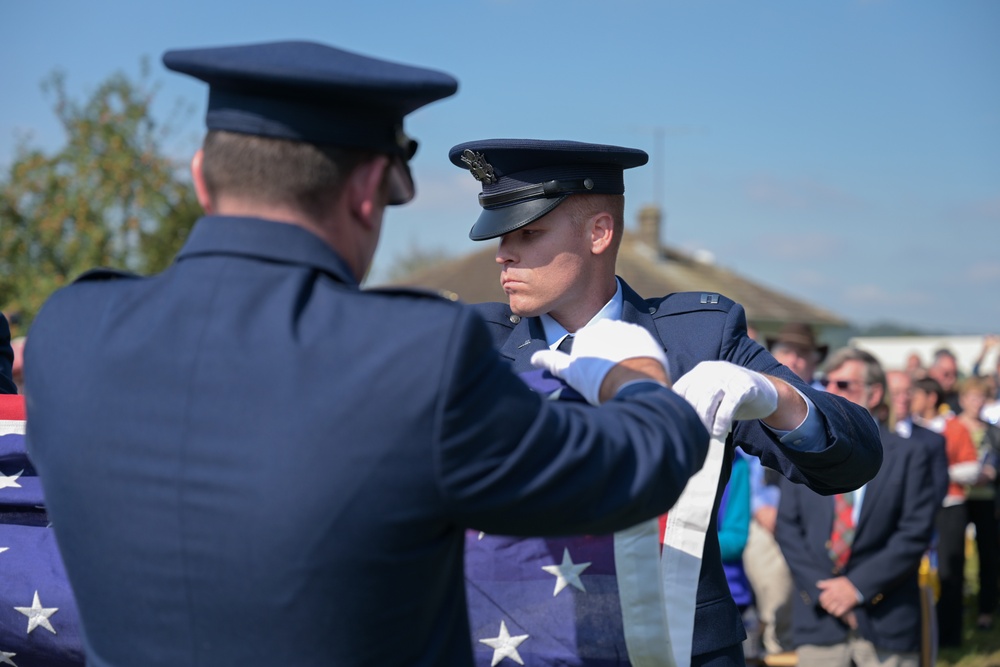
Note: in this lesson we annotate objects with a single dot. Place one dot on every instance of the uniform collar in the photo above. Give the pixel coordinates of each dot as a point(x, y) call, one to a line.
point(612, 310)
point(264, 239)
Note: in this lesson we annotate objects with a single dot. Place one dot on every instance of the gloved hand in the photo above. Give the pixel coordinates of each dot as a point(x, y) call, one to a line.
point(722, 392)
point(596, 350)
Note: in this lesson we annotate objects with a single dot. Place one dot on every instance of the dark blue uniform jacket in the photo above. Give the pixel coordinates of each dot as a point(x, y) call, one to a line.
point(694, 329)
point(249, 460)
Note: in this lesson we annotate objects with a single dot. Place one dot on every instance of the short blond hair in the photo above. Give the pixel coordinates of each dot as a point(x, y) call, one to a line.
point(583, 206)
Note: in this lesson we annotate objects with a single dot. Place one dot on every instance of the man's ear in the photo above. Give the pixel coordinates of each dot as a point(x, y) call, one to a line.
point(365, 190)
point(602, 232)
point(200, 189)
point(876, 396)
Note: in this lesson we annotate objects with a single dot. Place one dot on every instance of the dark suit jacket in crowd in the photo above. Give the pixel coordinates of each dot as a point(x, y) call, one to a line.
point(7, 385)
point(692, 328)
point(894, 530)
point(247, 459)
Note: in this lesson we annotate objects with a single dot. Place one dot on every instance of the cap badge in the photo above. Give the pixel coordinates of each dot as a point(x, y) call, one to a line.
point(480, 168)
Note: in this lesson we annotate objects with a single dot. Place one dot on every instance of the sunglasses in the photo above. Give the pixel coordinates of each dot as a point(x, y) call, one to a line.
point(842, 385)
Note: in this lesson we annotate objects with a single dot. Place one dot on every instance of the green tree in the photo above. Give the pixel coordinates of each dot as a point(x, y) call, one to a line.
point(109, 197)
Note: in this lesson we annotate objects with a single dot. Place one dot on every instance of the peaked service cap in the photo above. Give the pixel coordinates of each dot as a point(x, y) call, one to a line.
point(523, 179)
point(314, 93)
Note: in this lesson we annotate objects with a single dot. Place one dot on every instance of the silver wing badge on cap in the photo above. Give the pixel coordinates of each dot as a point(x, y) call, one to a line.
point(480, 168)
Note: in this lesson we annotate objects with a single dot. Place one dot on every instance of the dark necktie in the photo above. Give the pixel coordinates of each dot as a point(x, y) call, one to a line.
point(566, 345)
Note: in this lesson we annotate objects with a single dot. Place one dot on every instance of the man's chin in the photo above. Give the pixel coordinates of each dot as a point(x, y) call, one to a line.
point(521, 309)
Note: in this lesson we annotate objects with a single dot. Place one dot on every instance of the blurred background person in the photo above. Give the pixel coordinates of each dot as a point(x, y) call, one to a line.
point(17, 368)
point(944, 369)
point(7, 385)
point(915, 366)
point(733, 527)
point(981, 497)
point(963, 469)
point(991, 410)
point(796, 347)
point(855, 556)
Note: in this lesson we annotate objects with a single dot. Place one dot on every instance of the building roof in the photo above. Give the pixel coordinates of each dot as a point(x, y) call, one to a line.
point(650, 271)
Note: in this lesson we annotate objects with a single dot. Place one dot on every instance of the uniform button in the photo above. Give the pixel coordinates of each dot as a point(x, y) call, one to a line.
point(514, 319)
point(652, 310)
point(877, 598)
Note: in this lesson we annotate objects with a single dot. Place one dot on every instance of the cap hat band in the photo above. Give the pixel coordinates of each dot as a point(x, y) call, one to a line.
point(548, 189)
point(319, 124)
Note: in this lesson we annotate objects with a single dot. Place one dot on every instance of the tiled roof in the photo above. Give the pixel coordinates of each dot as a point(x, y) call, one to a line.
point(475, 278)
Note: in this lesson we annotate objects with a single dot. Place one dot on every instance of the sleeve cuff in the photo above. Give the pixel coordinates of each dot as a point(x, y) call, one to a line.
point(809, 436)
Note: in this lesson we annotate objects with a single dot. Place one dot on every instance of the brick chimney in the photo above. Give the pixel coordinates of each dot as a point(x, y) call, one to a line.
point(650, 221)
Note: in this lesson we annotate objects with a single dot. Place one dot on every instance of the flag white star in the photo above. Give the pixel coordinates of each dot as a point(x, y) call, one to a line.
point(2, 549)
point(5, 658)
point(38, 615)
point(567, 573)
point(10, 481)
point(504, 646)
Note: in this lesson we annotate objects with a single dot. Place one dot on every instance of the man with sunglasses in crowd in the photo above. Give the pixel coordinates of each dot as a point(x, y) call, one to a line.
point(855, 557)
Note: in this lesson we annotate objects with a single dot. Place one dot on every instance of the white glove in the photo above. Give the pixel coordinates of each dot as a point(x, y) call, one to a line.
point(596, 350)
point(722, 393)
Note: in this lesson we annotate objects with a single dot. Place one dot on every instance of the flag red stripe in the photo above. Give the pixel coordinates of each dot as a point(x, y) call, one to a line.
point(12, 407)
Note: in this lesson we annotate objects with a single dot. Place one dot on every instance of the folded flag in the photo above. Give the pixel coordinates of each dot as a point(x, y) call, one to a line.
point(39, 625)
point(563, 601)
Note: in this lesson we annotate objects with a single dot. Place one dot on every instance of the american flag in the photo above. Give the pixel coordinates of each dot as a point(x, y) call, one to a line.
point(39, 626)
point(558, 601)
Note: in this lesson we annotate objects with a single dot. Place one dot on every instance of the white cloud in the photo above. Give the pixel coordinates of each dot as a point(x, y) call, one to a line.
point(799, 195)
point(982, 272)
point(439, 191)
point(870, 294)
point(797, 247)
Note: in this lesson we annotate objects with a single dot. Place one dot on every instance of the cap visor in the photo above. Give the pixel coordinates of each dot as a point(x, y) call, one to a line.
point(499, 221)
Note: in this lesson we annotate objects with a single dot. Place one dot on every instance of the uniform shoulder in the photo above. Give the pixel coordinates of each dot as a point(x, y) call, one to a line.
point(496, 313)
point(96, 275)
point(403, 300)
point(679, 303)
point(408, 293)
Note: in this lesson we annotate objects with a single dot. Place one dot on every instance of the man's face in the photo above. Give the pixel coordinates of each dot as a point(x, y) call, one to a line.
point(972, 401)
point(922, 403)
point(945, 372)
point(900, 393)
point(543, 263)
point(800, 360)
point(848, 382)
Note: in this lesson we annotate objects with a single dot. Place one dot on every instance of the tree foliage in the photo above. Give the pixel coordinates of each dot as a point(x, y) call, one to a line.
point(108, 197)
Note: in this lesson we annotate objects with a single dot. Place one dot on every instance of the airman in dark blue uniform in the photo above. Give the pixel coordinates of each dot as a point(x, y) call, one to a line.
point(248, 459)
point(557, 208)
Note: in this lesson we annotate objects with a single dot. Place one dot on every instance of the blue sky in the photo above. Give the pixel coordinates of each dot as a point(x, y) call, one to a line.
point(845, 152)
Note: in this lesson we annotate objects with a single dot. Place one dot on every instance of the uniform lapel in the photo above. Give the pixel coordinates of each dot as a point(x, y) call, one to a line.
point(526, 339)
point(874, 488)
point(636, 310)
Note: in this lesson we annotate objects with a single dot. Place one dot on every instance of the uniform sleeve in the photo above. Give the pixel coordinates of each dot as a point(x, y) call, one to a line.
point(851, 451)
point(512, 462)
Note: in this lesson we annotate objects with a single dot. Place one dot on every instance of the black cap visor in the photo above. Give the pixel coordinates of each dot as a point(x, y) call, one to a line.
point(504, 219)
